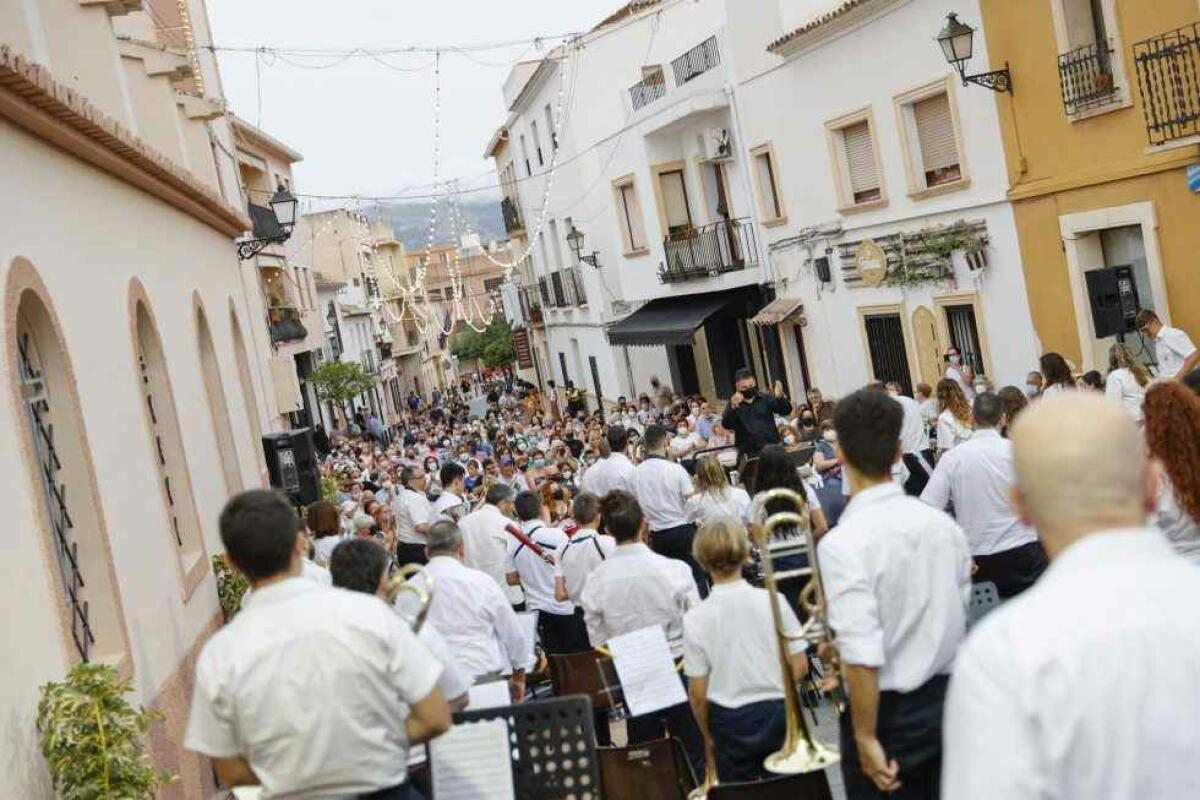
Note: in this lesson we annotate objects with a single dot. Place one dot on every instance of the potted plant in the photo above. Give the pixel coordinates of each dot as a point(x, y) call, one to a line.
point(231, 584)
point(93, 741)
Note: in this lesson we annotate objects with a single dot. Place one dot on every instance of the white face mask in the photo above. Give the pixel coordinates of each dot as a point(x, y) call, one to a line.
point(682, 431)
point(830, 436)
point(1032, 389)
point(955, 359)
point(980, 388)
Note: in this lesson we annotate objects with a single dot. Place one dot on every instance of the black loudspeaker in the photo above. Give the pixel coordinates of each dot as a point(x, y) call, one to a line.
point(292, 465)
point(1113, 295)
point(821, 266)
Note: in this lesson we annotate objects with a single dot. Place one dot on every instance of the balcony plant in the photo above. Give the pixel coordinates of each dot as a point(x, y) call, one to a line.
point(93, 741)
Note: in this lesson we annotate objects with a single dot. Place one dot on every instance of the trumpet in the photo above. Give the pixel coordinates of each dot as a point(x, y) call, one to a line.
point(399, 583)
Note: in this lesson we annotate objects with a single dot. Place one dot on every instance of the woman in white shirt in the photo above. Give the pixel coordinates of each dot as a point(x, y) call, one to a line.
point(1057, 373)
point(1127, 380)
point(714, 497)
point(1172, 416)
point(325, 527)
point(954, 416)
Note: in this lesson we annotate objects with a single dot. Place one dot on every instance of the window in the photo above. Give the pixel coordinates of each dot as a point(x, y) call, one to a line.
point(214, 388)
point(629, 216)
point(769, 196)
point(556, 244)
point(537, 142)
point(856, 161)
point(677, 212)
point(525, 156)
point(61, 475)
point(886, 347)
point(1090, 63)
point(166, 447)
point(550, 128)
point(930, 137)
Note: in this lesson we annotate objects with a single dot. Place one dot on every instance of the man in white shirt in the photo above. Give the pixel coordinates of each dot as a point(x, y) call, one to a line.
point(1085, 685)
point(450, 505)
point(585, 551)
point(1174, 350)
point(472, 613)
point(914, 441)
point(636, 588)
point(662, 488)
point(613, 472)
point(264, 717)
point(485, 542)
point(897, 576)
point(532, 566)
point(414, 514)
point(977, 477)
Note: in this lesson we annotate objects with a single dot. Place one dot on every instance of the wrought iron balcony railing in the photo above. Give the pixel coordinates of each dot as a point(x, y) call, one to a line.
point(512, 215)
point(531, 307)
point(647, 90)
point(1168, 69)
point(285, 325)
point(573, 281)
point(1086, 76)
point(697, 61)
point(724, 246)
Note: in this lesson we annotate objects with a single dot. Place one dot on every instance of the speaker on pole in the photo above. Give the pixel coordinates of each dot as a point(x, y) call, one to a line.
point(292, 465)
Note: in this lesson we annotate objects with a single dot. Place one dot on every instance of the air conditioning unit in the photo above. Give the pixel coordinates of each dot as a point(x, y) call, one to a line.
point(716, 143)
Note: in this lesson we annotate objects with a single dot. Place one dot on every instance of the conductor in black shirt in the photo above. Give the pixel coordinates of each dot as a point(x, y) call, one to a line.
point(751, 416)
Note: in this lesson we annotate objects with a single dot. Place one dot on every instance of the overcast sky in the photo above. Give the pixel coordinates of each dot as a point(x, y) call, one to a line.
point(364, 128)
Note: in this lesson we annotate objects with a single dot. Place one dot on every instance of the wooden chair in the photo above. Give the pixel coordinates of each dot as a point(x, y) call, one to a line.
point(805, 786)
point(656, 770)
point(580, 673)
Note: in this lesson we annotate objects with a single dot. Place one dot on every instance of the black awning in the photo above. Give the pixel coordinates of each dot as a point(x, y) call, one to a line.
point(668, 320)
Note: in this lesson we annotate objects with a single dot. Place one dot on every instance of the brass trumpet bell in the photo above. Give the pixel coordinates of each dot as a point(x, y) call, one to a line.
point(400, 583)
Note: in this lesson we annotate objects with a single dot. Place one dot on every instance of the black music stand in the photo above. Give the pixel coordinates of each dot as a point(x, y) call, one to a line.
point(553, 747)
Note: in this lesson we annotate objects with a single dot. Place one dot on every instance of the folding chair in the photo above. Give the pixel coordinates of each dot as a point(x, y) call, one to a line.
point(984, 597)
point(805, 786)
point(656, 770)
point(578, 673)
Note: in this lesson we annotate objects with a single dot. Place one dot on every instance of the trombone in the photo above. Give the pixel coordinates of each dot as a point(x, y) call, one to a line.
point(801, 752)
point(399, 584)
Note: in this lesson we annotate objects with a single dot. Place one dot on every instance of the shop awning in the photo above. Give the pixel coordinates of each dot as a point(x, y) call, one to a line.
point(668, 320)
point(778, 310)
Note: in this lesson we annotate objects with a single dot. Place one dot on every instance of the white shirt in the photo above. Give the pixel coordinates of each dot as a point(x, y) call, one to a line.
point(607, 474)
point(315, 572)
point(449, 506)
point(257, 694)
point(517, 481)
point(635, 588)
point(580, 555)
point(1085, 685)
point(977, 476)
point(662, 488)
point(1176, 523)
point(1121, 387)
point(485, 542)
point(730, 637)
point(951, 431)
point(454, 681)
point(929, 412)
point(897, 576)
point(1172, 347)
point(475, 619)
point(537, 577)
point(914, 436)
point(324, 546)
point(955, 374)
point(733, 502)
point(419, 512)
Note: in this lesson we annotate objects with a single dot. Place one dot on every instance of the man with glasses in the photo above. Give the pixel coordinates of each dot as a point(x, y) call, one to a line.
point(1174, 350)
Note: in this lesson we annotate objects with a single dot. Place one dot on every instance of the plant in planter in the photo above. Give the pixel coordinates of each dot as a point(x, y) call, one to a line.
point(93, 741)
point(231, 586)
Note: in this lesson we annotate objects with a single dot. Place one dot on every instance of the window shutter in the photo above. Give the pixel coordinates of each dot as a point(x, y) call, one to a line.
point(935, 130)
point(766, 183)
point(860, 157)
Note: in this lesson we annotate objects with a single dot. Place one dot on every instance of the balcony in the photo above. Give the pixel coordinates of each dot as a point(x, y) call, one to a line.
point(531, 306)
point(572, 280)
point(1086, 76)
point(285, 324)
point(724, 246)
point(697, 61)
point(512, 215)
point(647, 90)
point(370, 362)
point(1168, 70)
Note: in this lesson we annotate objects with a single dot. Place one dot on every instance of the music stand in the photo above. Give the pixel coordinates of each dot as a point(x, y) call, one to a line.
point(553, 747)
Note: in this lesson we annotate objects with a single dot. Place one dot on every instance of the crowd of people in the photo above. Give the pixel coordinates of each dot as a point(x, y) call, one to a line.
point(542, 528)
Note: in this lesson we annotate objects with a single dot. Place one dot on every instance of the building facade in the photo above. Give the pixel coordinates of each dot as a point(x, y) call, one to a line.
point(123, 297)
point(1099, 133)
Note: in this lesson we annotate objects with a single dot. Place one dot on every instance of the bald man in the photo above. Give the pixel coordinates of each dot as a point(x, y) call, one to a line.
point(1088, 684)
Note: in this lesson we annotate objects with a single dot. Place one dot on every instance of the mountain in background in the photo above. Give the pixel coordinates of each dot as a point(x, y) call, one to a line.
point(410, 220)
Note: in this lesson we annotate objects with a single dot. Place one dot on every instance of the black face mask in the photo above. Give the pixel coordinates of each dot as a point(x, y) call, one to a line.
point(750, 393)
point(807, 423)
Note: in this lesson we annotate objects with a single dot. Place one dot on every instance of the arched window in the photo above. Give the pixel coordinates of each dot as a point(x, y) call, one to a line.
point(167, 447)
point(62, 475)
point(215, 389)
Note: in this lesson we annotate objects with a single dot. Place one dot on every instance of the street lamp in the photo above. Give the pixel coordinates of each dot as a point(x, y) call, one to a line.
point(575, 242)
point(283, 206)
point(957, 40)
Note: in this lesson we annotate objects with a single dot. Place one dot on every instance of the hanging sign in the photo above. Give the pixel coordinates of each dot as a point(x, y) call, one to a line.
point(871, 262)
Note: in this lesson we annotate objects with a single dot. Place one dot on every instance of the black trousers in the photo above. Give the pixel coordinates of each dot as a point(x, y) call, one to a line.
point(677, 543)
point(401, 792)
point(409, 553)
point(1013, 571)
point(563, 633)
point(909, 727)
point(918, 475)
point(675, 721)
point(743, 738)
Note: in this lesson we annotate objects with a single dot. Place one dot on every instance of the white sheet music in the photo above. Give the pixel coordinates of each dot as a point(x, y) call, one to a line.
point(489, 695)
point(529, 623)
point(647, 671)
point(471, 761)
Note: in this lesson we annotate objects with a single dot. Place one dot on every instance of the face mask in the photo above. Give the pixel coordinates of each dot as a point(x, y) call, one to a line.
point(567, 475)
point(750, 392)
point(807, 422)
point(589, 461)
point(830, 436)
point(980, 388)
point(954, 360)
point(1032, 390)
point(682, 431)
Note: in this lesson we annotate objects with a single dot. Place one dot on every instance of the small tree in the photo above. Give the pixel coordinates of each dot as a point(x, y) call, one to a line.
point(341, 382)
point(93, 741)
point(493, 346)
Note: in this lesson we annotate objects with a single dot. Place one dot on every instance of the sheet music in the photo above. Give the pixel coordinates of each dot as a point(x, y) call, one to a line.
point(247, 792)
point(471, 761)
point(647, 670)
point(489, 695)
point(529, 624)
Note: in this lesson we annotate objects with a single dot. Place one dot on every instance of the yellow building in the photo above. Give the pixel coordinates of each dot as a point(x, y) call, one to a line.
point(1099, 132)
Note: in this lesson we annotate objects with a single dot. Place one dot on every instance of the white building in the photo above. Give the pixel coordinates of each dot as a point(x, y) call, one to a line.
point(713, 152)
point(135, 374)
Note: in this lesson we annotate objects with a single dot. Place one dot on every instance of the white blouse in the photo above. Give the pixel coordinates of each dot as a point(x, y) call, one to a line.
point(1121, 387)
point(733, 502)
point(951, 430)
point(1181, 530)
